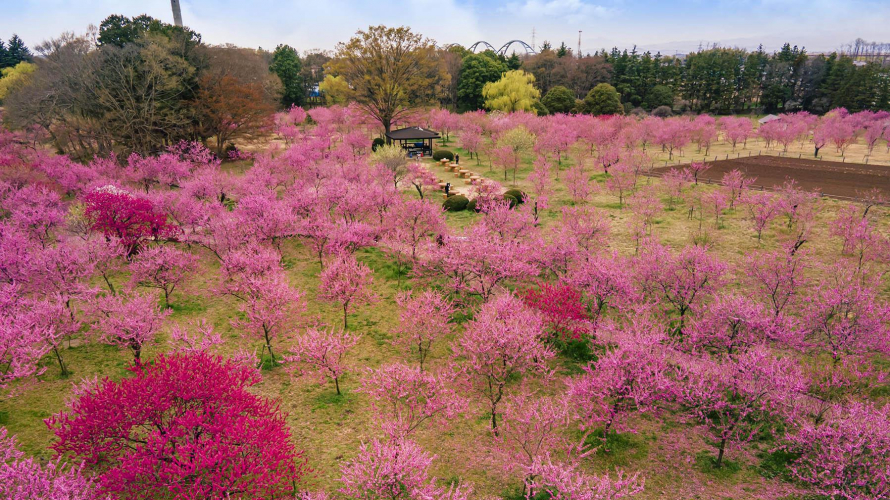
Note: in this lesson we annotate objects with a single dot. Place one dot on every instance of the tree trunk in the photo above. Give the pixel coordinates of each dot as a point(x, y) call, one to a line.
point(337, 385)
point(719, 462)
point(61, 364)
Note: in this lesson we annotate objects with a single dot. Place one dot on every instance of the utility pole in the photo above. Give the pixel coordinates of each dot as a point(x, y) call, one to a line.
point(177, 12)
point(579, 44)
point(535, 47)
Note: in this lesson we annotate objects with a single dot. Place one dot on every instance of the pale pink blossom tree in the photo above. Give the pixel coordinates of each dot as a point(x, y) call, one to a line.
point(348, 282)
point(394, 470)
point(269, 308)
point(502, 343)
point(162, 267)
point(128, 320)
point(322, 352)
point(406, 397)
point(26, 478)
point(424, 318)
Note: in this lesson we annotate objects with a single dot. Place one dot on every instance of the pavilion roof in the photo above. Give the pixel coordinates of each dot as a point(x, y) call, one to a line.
point(409, 133)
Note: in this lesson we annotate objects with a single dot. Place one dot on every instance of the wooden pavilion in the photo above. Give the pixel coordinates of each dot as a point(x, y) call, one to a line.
point(414, 140)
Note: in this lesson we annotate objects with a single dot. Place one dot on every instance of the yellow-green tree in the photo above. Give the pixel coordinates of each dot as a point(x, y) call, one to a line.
point(515, 91)
point(335, 89)
point(388, 71)
point(14, 77)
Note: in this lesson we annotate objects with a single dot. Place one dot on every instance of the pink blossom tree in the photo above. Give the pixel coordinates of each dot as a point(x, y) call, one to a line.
point(185, 426)
point(606, 281)
point(394, 470)
point(621, 181)
point(128, 320)
point(731, 324)
point(532, 429)
point(322, 352)
point(631, 378)
point(424, 318)
point(269, 307)
point(565, 482)
point(846, 456)
point(22, 337)
point(697, 169)
point(762, 208)
point(674, 181)
point(779, 276)
point(683, 279)
point(737, 184)
point(845, 317)
point(163, 267)
point(502, 343)
point(26, 478)
point(734, 399)
point(406, 397)
point(201, 338)
point(346, 281)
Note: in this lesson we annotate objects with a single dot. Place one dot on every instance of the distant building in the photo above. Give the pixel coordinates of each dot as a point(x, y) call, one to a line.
point(767, 119)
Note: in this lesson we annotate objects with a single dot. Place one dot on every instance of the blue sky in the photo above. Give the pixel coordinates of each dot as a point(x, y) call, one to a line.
point(680, 26)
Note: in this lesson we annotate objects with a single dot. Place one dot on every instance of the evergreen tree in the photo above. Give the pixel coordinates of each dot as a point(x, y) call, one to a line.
point(286, 63)
point(603, 100)
point(477, 70)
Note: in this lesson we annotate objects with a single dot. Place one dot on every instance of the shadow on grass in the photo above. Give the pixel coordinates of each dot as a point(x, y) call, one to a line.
point(619, 450)
point(706, 463)
point(330, 399)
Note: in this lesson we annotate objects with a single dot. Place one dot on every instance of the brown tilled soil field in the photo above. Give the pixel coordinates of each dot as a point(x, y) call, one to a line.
point(829, 177)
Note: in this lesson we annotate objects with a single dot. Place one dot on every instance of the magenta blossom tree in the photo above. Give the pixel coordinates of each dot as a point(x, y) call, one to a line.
point(346, 281)
point(115, 213)
point(501, 344)
point(322, 352)
point(185, 426)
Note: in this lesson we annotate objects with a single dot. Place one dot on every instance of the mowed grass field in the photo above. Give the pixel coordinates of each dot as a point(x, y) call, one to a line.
point(666, 450)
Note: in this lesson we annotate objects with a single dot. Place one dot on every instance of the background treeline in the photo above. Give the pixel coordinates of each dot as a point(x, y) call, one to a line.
point(716, 80)
point(140, 85)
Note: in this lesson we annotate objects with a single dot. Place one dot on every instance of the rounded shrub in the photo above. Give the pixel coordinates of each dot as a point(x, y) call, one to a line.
point(376, 143)
point(511, 199)
point(443, 153)
point(471, 206)
point(456, 203)
point(517, 194)
point(662, 112)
